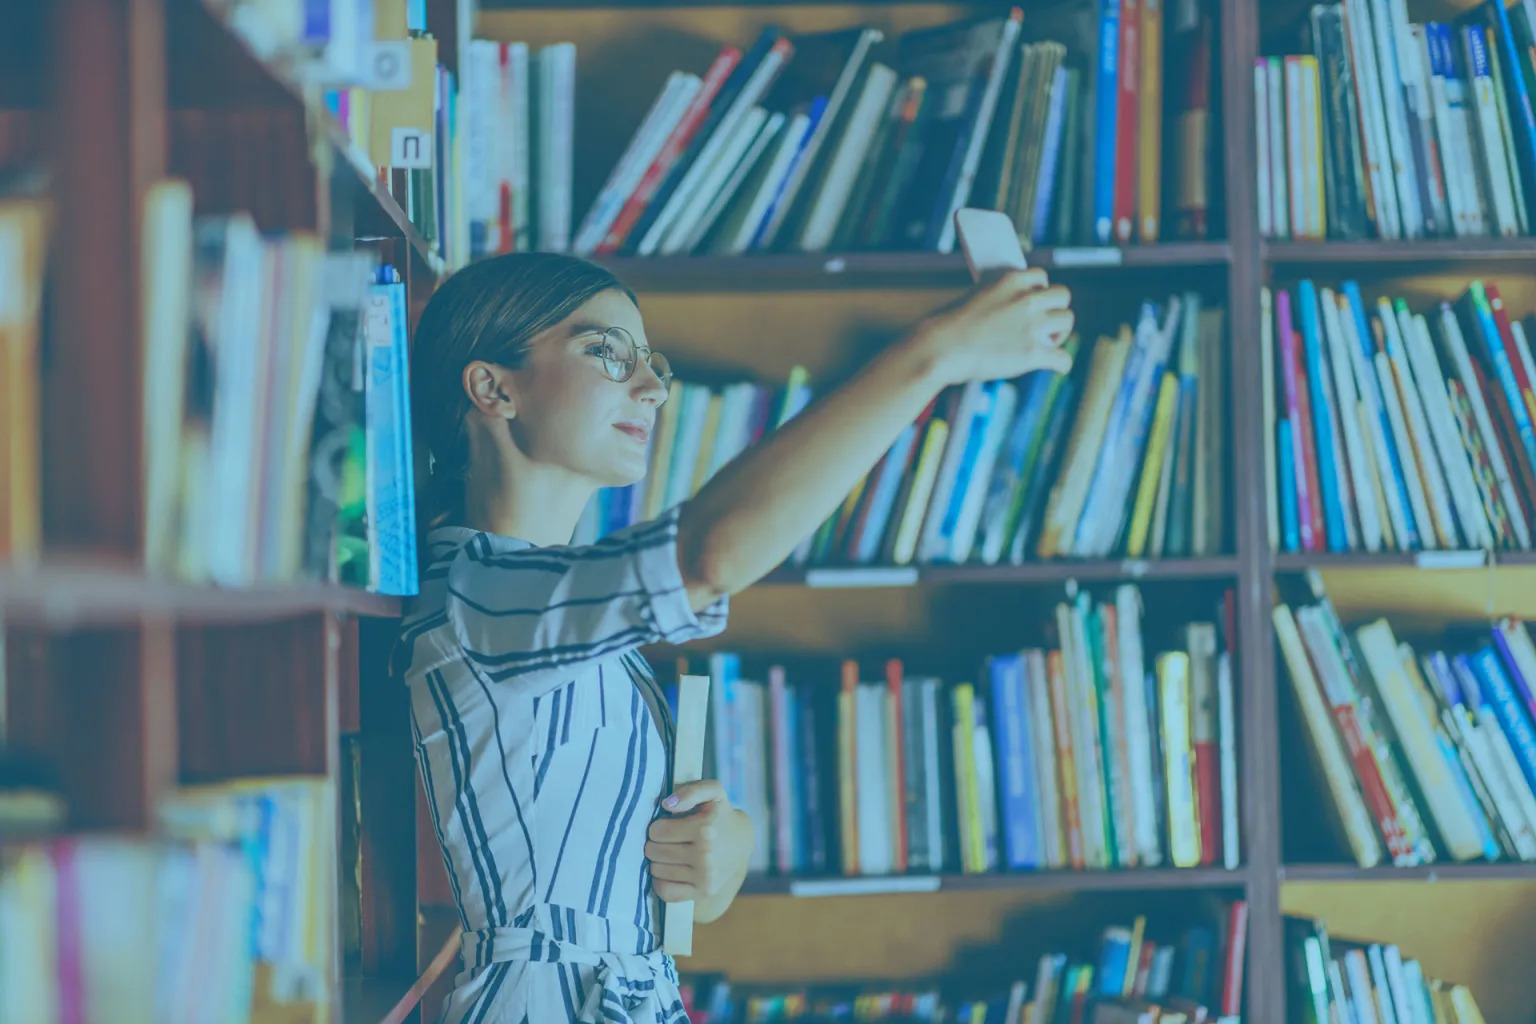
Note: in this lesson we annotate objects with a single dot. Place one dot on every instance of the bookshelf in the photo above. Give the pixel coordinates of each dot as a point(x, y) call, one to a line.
point(129, 682)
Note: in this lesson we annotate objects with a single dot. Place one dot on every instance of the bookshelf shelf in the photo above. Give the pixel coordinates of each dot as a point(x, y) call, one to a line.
point(796, 271)
point(1430, 251)
point(1518, 871)
point(1030, 572)
point(1039, 881)
point(74, 592)
point(1368, 560)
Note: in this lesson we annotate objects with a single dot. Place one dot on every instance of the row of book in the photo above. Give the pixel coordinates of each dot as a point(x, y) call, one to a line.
point(276, 415)
point(227, 914)
point(1389, 429)
point(848, 139)
point(1099, 751)
point(1126, 454)
point(1328, 978)
point(1392, 129)
point(1428, 754)
point(1135, 975)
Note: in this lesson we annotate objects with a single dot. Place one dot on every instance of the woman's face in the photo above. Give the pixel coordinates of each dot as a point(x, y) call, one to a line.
point(571, 413)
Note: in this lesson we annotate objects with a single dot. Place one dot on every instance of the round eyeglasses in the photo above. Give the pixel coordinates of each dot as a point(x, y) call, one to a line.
point(619, 355)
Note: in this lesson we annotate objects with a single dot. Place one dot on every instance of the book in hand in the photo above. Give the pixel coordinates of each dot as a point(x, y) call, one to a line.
point(687, 766)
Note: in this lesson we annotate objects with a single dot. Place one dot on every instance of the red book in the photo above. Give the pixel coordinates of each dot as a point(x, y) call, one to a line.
point(1232, 967)
point(897, 763)
point(676, 144)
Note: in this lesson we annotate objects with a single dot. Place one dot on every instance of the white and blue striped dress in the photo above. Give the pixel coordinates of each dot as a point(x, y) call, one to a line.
point(544, 745)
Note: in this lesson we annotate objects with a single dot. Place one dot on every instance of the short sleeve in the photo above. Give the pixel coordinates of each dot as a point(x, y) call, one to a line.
point(525, 613)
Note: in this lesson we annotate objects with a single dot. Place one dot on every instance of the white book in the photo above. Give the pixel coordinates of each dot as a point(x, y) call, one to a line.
point(767, 132)
point(853, 149)
point(933, 765)
point(781, 160)
point(1138, 739)
point(875, 853)
point(739, 138)
point(998, 426)
point(1296, 149)
point(1043, 744)
point(1418, 428)
point(1368, 388)
point(1279, 162)
point(1403, 159)
point(1486, 106)
point(693, 697)
point(1416, 740)
point(1349, 422)
point(1261, 109)
point(1455, 346)
point(1465, 493)
point(556, 146)
point(1368, 85)
point(752, 92)
point(666, 110)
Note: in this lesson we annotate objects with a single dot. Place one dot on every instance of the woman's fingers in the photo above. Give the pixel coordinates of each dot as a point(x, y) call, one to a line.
point(675, 892)
point(683, 873)
point(670, 853)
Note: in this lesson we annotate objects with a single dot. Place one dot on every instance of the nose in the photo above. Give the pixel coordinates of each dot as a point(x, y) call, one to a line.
point(646, 386)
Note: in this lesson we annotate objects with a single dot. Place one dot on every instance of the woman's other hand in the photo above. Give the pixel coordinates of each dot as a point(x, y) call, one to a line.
point(1001, 330)
point(700, 852)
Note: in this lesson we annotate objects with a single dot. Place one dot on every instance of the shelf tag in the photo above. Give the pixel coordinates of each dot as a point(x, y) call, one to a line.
point(410, 149)
point(835, 265)
point(875, 576)
point(1088, 256)
point(864, 886)
point(1135, 568)
point(387, 66)
point(1450, 559)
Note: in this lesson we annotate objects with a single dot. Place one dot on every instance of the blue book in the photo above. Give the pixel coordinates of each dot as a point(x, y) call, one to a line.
point(1015, 762)
point(1500, 696)
point(1322, 420)
point(1290, 524)
point(1106, 122)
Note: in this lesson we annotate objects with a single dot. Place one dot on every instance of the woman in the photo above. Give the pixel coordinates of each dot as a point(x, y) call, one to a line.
point(543, 741)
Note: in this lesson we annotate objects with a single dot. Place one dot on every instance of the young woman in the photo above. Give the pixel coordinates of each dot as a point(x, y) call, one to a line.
point(543, 741)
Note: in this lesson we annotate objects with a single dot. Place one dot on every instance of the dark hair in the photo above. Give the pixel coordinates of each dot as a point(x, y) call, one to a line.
point(490, 310)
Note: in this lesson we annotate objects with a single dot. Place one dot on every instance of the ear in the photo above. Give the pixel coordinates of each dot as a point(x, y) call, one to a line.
point(490, 389)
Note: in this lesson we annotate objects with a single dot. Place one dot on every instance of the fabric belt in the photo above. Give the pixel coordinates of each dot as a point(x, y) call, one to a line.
point(626, 989)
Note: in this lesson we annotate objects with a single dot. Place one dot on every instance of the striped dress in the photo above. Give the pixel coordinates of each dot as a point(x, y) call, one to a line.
point(544, 745)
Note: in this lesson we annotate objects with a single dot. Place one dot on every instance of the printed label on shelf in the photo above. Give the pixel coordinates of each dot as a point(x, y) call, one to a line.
point(864, 886)
point(1450, 559)
point(1135, 568)
point(1088, 256)
point(877, 576)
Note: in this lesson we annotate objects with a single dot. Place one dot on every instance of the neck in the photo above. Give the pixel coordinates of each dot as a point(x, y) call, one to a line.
point(539, 504)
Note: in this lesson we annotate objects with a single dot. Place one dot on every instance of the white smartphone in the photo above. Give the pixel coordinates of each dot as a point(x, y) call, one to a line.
point(990, 242)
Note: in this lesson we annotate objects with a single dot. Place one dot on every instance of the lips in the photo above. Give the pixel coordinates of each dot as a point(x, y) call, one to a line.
point(639, 431)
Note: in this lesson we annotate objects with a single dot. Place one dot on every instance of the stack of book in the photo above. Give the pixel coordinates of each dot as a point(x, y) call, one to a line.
point(1394, 430)
point(850, 139)
point(226, 915)
point(1328, 978)
point(1099, 751)
point(1125, 455)
point(1428, 754)
point(276, 419)
point(1182, 976)
point(1391, 129)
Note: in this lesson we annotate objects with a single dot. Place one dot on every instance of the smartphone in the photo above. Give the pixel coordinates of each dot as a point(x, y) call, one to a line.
point(990, 243)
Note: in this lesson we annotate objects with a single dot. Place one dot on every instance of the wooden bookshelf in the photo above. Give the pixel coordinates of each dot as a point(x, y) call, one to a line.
point(70, 593)
point(110, 632)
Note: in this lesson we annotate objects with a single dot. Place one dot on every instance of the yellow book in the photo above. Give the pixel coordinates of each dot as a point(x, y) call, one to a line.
point(1149, 129)
point(23, 239)
point(1466, 1008)
point(973, 853)
point(922, 488)
point(847, 763)
point(661, 453)
point(1152, 472)
point(707, 441)
point(1070, 490)
point(403, 120)
point(1183, 814)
